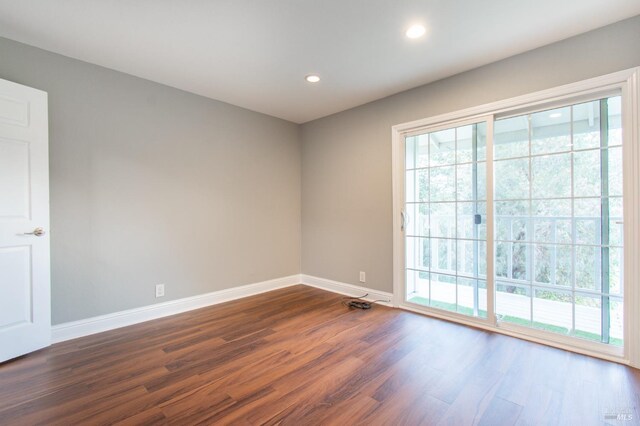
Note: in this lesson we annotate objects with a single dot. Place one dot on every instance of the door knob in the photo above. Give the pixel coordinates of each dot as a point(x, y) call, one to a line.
point(38, 232)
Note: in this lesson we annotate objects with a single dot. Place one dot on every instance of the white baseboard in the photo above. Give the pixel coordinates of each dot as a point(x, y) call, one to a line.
point(347, 289)
point(85, 327)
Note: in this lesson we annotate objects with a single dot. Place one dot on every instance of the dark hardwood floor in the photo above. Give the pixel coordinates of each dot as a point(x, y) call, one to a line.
point(297, 356)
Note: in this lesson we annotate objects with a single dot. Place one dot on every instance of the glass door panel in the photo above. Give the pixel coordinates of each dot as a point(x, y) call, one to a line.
point(558, 220)
point(445, 219)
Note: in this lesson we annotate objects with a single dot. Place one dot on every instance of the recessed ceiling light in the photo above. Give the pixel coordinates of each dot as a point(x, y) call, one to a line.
point(312, 78)
point(555, 115)
point(415, 31)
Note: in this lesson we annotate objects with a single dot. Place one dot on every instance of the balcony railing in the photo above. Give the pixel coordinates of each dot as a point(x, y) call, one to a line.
point(520, 292)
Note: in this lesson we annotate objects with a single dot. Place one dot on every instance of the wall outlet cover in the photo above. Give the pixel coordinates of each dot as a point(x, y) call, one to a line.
point(159, 290)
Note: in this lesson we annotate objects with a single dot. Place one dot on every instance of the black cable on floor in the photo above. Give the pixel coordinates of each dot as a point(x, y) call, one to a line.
point(359, 303)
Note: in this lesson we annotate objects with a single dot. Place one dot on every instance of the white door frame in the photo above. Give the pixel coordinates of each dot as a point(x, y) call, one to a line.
point(628, 82)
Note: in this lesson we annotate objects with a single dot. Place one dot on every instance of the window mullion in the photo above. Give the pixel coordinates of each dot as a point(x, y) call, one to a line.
point(474, 188)
point(490, 237)
point(604, 219)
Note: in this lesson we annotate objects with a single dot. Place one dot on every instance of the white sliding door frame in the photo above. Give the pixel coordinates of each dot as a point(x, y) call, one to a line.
point(626, 82)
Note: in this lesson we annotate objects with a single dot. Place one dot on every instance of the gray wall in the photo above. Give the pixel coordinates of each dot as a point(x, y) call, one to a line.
point(346, 157)
point(152, 185)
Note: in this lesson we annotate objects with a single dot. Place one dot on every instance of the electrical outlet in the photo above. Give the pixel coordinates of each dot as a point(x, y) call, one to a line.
point(160, 290)
point(363, 277)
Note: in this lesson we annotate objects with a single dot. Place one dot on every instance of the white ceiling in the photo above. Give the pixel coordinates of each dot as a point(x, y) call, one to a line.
point(255, 53)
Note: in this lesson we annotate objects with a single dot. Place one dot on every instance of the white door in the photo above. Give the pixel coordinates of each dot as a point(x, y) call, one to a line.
point(25, 309)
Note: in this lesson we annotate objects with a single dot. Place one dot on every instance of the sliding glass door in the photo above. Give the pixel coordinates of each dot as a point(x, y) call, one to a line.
point(549, 255)
point(445, 217)
point(558, 220)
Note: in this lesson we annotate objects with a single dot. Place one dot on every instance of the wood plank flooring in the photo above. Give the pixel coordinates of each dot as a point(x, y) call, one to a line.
point(296, 356)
